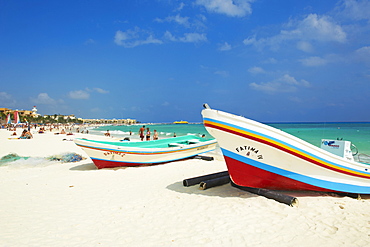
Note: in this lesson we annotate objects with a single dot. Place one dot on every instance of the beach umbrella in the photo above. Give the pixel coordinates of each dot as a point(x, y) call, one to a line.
point(8, 119)
point(16, 118)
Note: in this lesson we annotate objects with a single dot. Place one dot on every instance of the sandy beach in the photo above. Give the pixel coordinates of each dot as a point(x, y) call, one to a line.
point(75, 204)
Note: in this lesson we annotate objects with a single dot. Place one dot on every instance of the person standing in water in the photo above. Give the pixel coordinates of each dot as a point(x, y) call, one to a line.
point(155, 135)
point(141, 133)
point(147, 134)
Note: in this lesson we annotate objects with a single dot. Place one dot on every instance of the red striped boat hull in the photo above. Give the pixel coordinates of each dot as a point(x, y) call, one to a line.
point(260, 156)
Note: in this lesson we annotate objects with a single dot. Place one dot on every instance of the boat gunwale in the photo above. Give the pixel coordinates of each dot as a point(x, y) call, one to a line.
point(150, 150)
point(111, 146)
point(153, 144)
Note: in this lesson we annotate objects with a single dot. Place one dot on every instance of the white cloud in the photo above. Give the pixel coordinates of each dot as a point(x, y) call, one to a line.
point(184, 21)
point(79, 94)
point(6, 99)
point(256, 70)
point(90, 42)
point(284, 84)
point(222, 73)
point(187, 38)
point(304, 46)
point(133, 38)
point(181, 6)
point(355, 10)
point(314, 61)
point(44, 98)
point(234, 8)
point(363, 54)
point(168, 35)
point(193, 37)
point(250, 40)
point(292, 81)
point(225, 47)
point(321, 28)
point(102, 91)
point(311, 28)
point(270, 60)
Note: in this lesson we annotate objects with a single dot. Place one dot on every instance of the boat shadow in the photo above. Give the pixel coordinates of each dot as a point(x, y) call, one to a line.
point(301, 194)
point(91, 167)
point(84, 167)
point(225, 190)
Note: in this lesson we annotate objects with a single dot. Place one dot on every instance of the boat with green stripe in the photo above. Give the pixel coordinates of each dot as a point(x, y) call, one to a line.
point(108, 154)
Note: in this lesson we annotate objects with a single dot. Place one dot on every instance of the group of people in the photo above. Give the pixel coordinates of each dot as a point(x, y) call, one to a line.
point(26, 134)
point(146, 133)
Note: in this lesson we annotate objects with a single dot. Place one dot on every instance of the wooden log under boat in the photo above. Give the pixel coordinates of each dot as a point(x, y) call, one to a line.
point(196, 180)
point(214, 182)
point(289, 200)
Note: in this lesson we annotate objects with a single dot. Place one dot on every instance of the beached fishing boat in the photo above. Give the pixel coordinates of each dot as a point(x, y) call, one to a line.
point(260, 156)
point(108, 154)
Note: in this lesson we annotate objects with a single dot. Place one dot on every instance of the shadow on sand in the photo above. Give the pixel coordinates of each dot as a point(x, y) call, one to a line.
point(84, 167)
point(92, 167)
point(225, 190)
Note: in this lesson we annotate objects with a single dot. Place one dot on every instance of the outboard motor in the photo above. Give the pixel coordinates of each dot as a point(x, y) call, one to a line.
point(338, 147)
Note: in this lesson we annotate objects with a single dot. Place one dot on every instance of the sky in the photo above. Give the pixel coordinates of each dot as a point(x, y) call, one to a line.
point(160, 60)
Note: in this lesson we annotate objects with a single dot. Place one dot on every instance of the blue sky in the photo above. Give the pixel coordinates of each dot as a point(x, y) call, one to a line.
point(160, 60)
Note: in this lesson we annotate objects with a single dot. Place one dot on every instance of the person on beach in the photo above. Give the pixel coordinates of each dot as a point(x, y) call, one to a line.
point(147, 134)
point(141, 132)
point(174, 134)
point(106, 134)
point(25, 135)
point(155, 135)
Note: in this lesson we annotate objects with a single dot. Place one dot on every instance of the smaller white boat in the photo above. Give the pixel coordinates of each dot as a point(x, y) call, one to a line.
point(108, 154)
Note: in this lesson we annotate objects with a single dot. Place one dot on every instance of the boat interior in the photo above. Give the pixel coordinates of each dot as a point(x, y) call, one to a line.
point(180, 141)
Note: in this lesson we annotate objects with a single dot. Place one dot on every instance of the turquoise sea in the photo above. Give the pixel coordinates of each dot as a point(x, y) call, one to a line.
point(357, 133)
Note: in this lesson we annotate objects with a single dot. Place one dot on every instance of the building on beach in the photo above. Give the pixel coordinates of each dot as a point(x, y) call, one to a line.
point(26, 114)
point(22, 113)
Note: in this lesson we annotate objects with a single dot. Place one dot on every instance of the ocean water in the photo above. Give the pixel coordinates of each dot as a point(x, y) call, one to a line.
point(164, 130)
point(357, 133)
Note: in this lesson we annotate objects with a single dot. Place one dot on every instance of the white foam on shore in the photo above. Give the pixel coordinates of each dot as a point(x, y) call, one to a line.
point(115, 132)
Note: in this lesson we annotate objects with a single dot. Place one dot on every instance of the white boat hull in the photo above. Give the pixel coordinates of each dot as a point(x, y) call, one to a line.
point(115, 155)
point(260, 156)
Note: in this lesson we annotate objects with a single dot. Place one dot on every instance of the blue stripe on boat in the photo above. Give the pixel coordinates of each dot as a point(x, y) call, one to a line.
point(349, 188)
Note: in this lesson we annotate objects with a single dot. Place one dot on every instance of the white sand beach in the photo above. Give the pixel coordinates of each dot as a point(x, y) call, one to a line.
point(75, 204)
